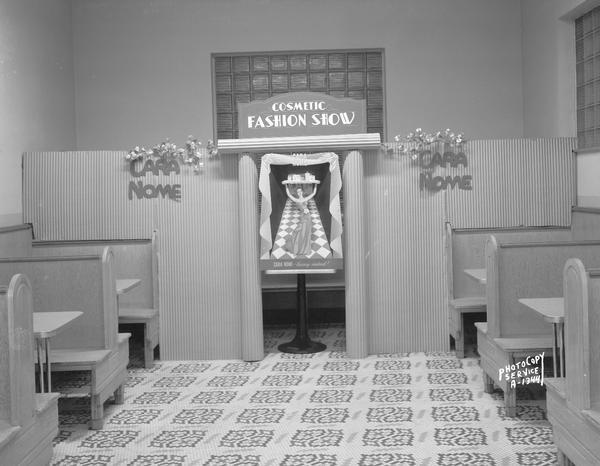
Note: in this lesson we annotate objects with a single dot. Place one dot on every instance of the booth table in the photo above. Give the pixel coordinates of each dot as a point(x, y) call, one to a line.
point(123, 285)
point(553, 311)
point(478, 274)
point(126, 284)
point(45, 326)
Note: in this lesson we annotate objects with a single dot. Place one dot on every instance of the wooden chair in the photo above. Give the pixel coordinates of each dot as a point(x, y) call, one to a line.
point(573, 402)
point(28, 420)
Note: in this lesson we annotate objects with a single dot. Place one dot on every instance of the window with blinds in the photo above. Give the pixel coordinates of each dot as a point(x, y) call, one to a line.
point(245, 77)
point(587, 50)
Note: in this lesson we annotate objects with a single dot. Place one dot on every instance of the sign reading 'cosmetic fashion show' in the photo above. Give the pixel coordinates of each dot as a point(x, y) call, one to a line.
point(301, 114)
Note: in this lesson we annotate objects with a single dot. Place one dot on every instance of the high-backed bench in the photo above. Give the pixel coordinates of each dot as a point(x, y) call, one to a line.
point(134, 258)
point(92, 343)
point(512, 332)
point(585, 223)
point(15, 240)
point(464, 249)
point(573, 402)
point(28, 420)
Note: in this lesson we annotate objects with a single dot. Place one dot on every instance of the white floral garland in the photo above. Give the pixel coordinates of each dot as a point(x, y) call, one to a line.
point(192, 154)
point(418, 141)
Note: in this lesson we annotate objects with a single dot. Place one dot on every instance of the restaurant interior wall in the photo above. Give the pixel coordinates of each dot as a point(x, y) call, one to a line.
point(199, 258)
point(549, 105)
point(37, 99)
point(125, 52)
point(588, 160)
point(143, 69)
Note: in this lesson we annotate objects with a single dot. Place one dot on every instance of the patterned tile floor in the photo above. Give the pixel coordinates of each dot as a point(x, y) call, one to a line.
point(319, 409)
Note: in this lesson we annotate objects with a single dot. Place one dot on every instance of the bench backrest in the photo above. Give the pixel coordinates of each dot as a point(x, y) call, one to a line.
point(73, 283)
point(465, 249)
point(16, 352)
point(15, 241)
point(582, 325)
point(136, 258)
point(527, 270)
point(585, 223)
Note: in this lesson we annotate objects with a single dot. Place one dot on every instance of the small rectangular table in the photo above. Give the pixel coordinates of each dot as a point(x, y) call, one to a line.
point(125, 284)
point(45, 326)
point(479, 275)
point(553, 311)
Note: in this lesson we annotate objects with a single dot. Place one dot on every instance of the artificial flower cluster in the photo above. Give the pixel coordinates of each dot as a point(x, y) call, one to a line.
point(192, 154)
point(418, 141)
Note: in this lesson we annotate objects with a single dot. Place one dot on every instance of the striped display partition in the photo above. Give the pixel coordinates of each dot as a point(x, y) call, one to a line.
point(199, 265)
point(516, 182)
point(406, 292)
point(84, 195)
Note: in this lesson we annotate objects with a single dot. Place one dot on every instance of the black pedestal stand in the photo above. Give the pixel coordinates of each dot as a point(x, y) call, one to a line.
point(302, 344)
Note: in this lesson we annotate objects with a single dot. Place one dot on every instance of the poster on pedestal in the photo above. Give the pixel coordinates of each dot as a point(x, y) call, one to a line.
point(300, 219)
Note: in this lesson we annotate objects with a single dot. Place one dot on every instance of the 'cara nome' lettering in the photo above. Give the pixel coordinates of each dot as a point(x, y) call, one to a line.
point(155, 167)
point(150, 191)
point(427, 159)
point(438, 183)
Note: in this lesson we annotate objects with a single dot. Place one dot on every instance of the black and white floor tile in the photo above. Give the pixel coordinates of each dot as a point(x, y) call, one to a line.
point(301, 410)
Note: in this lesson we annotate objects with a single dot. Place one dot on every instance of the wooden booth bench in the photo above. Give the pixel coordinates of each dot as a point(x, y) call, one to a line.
point(573, 402)
point(133, 259)
point(84, 283)
point(512, 331)
point(585, 223)
point(465, 250)
point(15, 241)
point(28, 420)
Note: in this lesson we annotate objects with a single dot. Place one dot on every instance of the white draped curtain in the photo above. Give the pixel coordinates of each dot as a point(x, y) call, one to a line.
point(335, 235)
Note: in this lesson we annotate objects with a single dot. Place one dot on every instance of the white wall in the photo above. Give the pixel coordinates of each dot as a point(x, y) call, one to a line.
point(491, 69)
point(588, 163)
point(549, 94)
point(36, 89)
point(143, 69)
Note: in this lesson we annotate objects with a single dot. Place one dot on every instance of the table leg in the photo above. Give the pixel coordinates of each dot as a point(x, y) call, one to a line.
point(561, 340)
point(39, 345)
point(48, 368)
point(554, 346)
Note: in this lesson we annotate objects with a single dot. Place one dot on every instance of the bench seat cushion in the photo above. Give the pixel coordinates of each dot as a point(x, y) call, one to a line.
point(136, 315)
point(77, 357)
point(481, 326)
point(477, 303)
point(524, 343)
